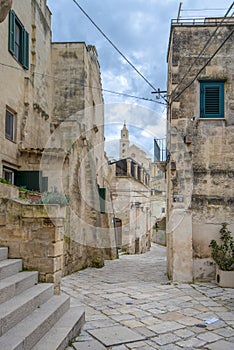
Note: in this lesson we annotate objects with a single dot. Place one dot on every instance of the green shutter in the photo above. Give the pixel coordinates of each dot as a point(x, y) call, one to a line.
point(102, 198)
point(11, 42)
point(212, 99)
point(25, 49)
point(29, 179)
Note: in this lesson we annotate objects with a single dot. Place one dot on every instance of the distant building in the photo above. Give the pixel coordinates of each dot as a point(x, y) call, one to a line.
point(130, 192)
point(158, 203)
point(130, 150)
point(200, 141)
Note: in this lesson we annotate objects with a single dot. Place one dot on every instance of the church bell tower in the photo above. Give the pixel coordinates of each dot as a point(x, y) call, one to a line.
point(124, 143)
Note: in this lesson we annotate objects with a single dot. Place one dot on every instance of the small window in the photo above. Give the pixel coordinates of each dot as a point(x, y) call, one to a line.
point(10, 126)
point(102, 199)
point(163, 210)
point(18, 40)
point(8, 175)
point(212, 99)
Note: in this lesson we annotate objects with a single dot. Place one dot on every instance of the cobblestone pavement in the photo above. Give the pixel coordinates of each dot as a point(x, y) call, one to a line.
point(130, 304)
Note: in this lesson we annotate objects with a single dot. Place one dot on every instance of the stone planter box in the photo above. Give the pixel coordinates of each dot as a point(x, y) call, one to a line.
point(8, 191)
point(225, 278)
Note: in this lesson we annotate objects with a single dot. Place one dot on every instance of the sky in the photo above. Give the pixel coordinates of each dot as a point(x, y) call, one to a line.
point(140, 30)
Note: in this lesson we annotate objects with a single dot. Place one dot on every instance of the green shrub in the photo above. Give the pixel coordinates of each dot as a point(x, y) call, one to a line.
point(4, 181)
point(223, 254)
point(54, 197)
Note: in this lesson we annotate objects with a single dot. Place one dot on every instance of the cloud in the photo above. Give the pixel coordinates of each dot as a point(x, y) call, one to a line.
point(140, 29)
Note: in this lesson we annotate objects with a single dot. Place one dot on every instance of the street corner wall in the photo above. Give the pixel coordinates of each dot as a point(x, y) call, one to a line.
point(200, 171)
point(208, 215)
point(179, 243)
point(36, 235)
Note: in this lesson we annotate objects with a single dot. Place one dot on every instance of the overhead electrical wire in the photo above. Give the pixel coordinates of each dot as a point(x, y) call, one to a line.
point(115, 47)
point(91, 87)
point(195, 10)
point(205, 46)
point(201, 69)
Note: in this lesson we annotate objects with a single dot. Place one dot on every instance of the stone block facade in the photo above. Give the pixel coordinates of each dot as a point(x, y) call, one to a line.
point(52, 138)
point(200, 140)
point(130, 195)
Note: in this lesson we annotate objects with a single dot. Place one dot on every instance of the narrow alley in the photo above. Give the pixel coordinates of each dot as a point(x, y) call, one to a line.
point(130, 304)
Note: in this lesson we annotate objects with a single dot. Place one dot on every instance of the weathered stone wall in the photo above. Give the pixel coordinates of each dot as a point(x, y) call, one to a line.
point(36, 234)
point(200, 171)
point(79, 118)
point(28, 93)
point(131, 204)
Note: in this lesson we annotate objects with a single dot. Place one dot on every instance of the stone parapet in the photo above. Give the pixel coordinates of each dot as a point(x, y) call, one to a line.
point(35, 234)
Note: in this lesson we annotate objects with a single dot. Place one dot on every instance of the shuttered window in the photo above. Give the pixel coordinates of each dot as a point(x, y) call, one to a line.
point(212, 99)
point(32, 180)
point(18, 40)
point(10, 126)
point(102, 199)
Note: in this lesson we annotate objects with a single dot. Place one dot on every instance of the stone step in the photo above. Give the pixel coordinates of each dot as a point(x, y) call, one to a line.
point(27, 333)
point(63, 331)
point(10, 267)
point(3, 253)
point(16, 284)
point(22, 305)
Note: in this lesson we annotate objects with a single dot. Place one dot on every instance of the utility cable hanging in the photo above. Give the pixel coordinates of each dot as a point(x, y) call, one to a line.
point(205, 46)
point(88, 86)
point(114, 46)
point(200, 70)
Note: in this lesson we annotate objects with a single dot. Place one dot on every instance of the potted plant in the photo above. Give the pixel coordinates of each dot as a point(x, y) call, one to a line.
point(223, 255)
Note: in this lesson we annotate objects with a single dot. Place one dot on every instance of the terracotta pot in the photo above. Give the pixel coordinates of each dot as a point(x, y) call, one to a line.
point(34, 196)
point(225, 278)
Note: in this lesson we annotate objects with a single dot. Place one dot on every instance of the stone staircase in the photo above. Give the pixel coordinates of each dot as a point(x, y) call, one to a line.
point(31, 316)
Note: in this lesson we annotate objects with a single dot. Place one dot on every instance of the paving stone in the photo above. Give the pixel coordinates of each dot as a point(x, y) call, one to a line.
point(132, 323)
point(220, 345)
point(191, 343)
point(149, 321)
point(92, 345)
point(167, 338)
point(209, 337)
point(170, 347)
point(115, 335)
point(144, 331)
point(122, 317)
point(225, 332)
point(184, 333)
point(119, 347)
point(164, 327)
point(137, 345)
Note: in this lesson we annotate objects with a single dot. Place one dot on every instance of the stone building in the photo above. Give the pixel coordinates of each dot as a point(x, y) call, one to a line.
point(26, 100)
point(52, 137)
point(130, 150)
point(158, 203)
point(200, 141)
point(130, 194)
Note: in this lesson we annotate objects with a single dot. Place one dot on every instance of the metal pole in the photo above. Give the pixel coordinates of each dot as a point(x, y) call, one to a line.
point(178, 17)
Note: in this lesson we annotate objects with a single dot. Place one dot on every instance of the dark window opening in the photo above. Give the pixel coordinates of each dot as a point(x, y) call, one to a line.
point(10, 126)
point(212, 99)
point(18, 40)
point(9, 175)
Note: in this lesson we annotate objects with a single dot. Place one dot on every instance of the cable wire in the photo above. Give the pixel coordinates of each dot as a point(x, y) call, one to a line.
point(201, 69)
point(91, 87)
point(205, 46)
point(114, 46)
